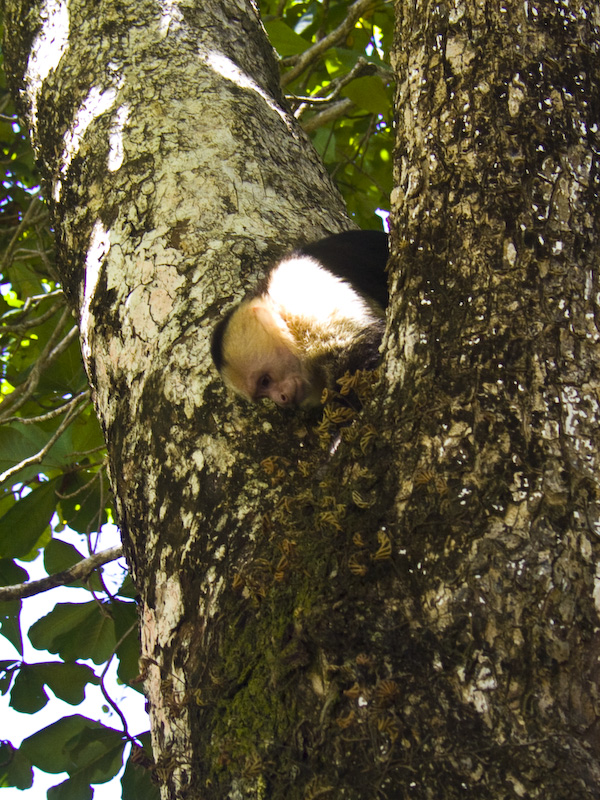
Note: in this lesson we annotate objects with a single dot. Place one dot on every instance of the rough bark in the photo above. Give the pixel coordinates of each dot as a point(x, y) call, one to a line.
point(175, 176)
point(493, 375)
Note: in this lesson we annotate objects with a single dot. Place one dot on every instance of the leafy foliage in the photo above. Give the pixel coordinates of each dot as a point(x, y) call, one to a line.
point(343, 97)
point(52, 470)
point(52, 477)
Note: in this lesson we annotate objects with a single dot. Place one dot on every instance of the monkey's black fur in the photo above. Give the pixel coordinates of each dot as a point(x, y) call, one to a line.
point(216, 343)
point(357, 257)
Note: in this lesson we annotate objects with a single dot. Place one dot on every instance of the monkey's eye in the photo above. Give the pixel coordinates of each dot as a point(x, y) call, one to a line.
point(264, 382)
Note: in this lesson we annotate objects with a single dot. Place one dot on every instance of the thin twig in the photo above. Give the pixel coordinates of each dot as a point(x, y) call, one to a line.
point(20, 327)
point(302, 60)
point(77, 572)
point(335, 111)
point(107, 697)
point(37, 457)
point(56, 412)
point(51, 350)
point(71, 495)
point(23, 225)
point(360, 69)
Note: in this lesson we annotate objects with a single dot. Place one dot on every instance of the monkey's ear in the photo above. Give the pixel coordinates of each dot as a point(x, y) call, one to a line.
point(275, 329)
point(265, 316)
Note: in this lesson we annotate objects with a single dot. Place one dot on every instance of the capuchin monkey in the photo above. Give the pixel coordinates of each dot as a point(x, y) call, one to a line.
point(318, 313)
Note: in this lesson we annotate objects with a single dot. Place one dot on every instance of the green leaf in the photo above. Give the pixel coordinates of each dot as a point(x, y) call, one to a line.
point(75, 631)
point(137, 783)
point(88, 751)
point(128, 588)
point(284, 39)
point(324, 141)
point(8, 669)
point(24, 280)
point(28, 694)
point(66, 373)
point(126, 619)
point(97, 753)
point(49, 749)
point(369, 93)
point(85, 507)
point(77, 788)
point(11, 573)
point(15, 768)
point(67, 681)
point(23, 524)
point(86, 431)
point(18, 442)
point(10, 612)
point(59, 556)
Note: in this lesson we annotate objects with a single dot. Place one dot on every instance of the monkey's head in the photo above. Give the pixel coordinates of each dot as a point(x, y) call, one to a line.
point(257, 357)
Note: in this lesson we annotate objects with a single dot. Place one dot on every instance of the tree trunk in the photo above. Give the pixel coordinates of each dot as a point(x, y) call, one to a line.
point(492, 397)
point(415, 613)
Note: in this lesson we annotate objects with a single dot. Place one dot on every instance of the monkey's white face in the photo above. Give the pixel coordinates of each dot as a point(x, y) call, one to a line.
point(260, 360)
point(279, 378)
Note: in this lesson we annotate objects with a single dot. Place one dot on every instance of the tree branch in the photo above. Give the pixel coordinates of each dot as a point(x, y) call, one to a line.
point(77, 572)
point(360, 69)
point(38, 457)
point(27, 324)
point(28, 219)
point(104, 690)
point(56, 412)
point(333, 112)
point(51, 350)
point(302, 61)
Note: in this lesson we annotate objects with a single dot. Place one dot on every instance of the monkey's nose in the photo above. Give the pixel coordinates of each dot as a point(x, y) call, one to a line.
point(286, 398)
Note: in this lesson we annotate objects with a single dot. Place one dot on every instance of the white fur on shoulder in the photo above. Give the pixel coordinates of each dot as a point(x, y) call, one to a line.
point(304, 289)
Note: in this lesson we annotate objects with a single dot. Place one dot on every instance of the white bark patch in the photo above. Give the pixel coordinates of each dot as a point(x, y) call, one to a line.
point(186, 390)
point(96, 103)
point(596, 591)
point(570, 400)
point(229, 70)
point(458, 432)
point(116, 152)
point(48, 48)
point(510, 253)
point(99, 247)
point(171, 17)
point(579, 406)
point(518, 787)
point(153, 627)
point(148, 633)
point(149, 307)
point(211, 589)
point(511, 515)
point(169, 607)
point(439, 603)
point(198, 459)
point(476, 691)
point(408, 339)
point(516, 95)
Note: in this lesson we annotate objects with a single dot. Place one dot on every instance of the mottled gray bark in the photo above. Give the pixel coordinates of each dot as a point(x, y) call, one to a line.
point(493, 378)
point(175, 175)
